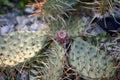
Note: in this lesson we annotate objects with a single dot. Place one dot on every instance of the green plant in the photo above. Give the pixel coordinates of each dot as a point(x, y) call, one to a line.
point(89, 61)
point(7, 3)
point(20, 4)
point(52, 70)
point(73, 25)
point(55, 7)
point(20, 46)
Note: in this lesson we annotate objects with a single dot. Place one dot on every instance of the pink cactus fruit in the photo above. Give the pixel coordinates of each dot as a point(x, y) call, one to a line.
point(62, 36)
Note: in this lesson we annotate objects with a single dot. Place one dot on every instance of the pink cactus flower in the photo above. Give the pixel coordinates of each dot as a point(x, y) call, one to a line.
point(62, 36)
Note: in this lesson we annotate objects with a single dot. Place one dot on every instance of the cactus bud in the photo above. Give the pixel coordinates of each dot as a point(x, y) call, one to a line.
point(62, 36)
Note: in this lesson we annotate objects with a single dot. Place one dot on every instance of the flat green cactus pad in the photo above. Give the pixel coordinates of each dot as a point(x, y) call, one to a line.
point(53, 67)
point(89, 61)
point(17, 47)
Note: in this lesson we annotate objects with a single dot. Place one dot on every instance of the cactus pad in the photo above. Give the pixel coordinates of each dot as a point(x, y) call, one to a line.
point(89, 61)
point(53, 68)
point(19, 46)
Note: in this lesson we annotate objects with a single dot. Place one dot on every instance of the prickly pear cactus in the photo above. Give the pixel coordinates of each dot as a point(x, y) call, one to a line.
point(53, 68)
point(89, 61)
point(59, 6)
point(19, 46)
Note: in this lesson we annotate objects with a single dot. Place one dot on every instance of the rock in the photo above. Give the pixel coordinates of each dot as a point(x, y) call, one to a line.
point(13, 13)
point(3, 21)
point(22, 20)
point(29, 9)
point(12, 21)
point(34, 26)
point(32, 78)
point(110, 24)
point(94, 30)
point(4, 30)
point(21, 27)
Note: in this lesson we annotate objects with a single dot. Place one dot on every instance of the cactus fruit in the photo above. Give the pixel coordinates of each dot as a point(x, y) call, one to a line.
point(62, 36)
point(19, 46)
point(89, 61)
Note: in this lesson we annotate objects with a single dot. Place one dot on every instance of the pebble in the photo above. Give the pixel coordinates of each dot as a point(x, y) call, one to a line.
point(32, 78)
point(29, 9)
point(4, 30)
point(34, 26)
